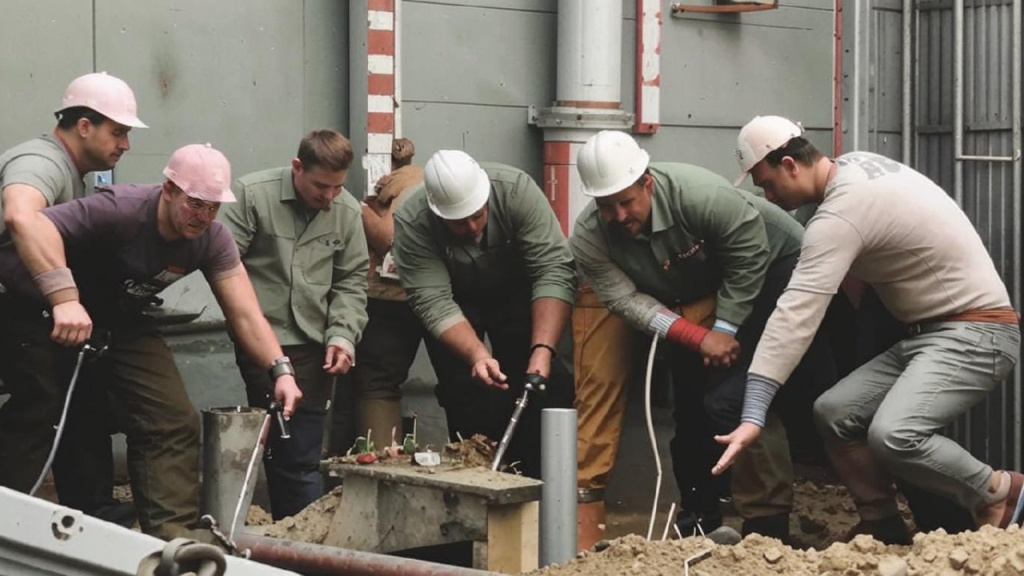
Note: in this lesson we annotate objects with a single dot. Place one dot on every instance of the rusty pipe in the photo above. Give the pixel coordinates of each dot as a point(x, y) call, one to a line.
point(315, 559)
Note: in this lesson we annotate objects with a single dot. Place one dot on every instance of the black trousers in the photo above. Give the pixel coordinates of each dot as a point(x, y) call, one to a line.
point(709, 401)
point(473, 408)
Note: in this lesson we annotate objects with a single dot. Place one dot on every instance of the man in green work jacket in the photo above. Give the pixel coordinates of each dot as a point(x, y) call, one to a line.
point(301, 238)
point(658, 240)
point(479, 251)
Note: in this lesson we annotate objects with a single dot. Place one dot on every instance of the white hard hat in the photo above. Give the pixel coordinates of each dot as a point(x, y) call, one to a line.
point(105, 94)
point(760, 137)
point(202, 172)
point(456, 185)
point(610, 162)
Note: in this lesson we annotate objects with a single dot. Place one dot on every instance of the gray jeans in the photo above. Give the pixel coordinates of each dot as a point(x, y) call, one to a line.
point(899, 402)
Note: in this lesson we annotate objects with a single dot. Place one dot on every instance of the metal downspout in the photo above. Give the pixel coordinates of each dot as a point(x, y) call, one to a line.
point(908, 92)
point(958, 101)
point(1016, 151)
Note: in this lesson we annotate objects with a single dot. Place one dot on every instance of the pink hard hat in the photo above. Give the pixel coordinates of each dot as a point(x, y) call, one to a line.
point(105, 94)
point(202, 172)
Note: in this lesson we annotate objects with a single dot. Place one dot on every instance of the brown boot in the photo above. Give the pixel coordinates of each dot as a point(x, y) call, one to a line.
point(381, 415)
point(590, 523)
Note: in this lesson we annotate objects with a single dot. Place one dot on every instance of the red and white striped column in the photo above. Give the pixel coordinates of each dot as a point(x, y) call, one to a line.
point(382, 88)
point(648, 67)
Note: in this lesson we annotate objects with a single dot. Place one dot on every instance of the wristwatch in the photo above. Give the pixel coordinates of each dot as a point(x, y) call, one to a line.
point(280, 367)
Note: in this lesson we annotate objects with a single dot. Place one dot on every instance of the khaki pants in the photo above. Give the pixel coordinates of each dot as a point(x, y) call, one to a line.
point(604, 360)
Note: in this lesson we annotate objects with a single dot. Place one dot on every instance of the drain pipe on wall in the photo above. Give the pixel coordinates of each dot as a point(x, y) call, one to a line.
point(588, 97)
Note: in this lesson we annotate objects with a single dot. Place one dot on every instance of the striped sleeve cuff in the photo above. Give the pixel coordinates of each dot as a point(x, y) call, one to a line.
point(661, 322)
point(757, 399)
point(723, 326)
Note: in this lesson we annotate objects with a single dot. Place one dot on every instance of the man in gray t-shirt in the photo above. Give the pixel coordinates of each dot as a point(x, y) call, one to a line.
point(104, 258)
point(93, 121)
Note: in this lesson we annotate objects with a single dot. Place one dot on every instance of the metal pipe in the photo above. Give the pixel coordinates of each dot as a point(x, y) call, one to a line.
point(229, 435)
point(958, 101)
point(1013, 158)
point(315, 560)
point(908, 63)
point(589, 51)
point(1016, 140)
point(558, 495)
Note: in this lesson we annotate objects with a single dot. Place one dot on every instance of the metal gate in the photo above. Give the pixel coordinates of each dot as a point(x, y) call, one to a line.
point(937, 85)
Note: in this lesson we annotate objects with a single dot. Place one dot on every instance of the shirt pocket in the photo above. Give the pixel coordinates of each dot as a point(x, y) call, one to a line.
point(317, 259)
point(683, 258)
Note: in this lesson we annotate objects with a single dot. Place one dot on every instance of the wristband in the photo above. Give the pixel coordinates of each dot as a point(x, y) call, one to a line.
point(281, 367)
point(687, 333)
point(54, 280)
point(554, 353)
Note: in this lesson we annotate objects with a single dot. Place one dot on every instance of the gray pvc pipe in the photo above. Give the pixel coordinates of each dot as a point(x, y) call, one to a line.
point(558, 495)
point(229, 437)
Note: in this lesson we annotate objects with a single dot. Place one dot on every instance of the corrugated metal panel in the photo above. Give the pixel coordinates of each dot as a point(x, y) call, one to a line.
point(988, 430)
point(874, 35)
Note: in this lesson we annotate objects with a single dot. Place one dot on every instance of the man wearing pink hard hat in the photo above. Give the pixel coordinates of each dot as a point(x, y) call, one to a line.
point(93, 121)
point(98, 263)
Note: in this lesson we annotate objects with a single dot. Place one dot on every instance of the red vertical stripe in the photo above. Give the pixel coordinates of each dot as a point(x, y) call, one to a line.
point(380, 123)
point(381, 5)
point(556, 180)
point(380, 84)
point(380, 42)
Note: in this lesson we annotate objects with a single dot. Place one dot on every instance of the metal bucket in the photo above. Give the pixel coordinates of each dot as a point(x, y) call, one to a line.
point(229, 437)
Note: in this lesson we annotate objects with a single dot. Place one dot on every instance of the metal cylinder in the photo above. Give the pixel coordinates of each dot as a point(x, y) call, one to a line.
point(589, 52)
point(558, 495)
point(229, 437)
point(316, 560)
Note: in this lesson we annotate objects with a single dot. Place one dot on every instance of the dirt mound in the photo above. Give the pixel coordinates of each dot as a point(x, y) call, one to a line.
point(476, 451)
point(258, 517)
point(310, 525)
point(986, 552)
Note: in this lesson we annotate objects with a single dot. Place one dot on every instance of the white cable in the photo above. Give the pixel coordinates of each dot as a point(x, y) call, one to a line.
point(60, 425)
point(668, 521)
point(650, 432)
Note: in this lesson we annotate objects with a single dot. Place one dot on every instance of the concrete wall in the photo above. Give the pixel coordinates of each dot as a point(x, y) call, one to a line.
point(252, 77)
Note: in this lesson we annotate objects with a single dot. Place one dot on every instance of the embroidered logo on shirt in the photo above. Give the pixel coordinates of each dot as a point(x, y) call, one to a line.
point(683, 255)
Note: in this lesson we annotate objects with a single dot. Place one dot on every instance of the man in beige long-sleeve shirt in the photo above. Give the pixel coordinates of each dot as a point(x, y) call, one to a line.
point(885, 224)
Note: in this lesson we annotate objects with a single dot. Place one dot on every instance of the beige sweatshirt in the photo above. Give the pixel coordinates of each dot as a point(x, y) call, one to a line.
point(895, 229)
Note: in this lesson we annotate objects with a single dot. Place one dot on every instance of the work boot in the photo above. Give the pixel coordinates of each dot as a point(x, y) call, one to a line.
point(590, 524)
point(120, 513)
point(381, 416)
point(774, 526)
point(698, 524)
point(888, 530)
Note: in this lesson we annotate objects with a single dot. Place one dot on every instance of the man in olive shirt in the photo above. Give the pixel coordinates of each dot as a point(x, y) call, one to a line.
point(479, 251)
point(301, 239)
point(661, 238)
point(93, 121)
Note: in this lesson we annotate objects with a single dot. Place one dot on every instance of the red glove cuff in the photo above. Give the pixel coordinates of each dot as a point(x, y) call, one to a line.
point(686, 333)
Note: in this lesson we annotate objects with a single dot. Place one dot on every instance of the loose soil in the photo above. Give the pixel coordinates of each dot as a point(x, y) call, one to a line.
point(987, 552)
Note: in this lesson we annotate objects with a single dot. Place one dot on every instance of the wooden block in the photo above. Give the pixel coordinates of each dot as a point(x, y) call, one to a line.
point(512, 537)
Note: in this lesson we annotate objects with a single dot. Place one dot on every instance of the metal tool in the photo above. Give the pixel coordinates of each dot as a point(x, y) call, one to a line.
point(275, 411)
point(92, 349)
point(532, 383)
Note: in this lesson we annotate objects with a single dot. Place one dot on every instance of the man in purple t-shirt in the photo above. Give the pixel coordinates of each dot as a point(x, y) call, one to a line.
point(91, 267)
